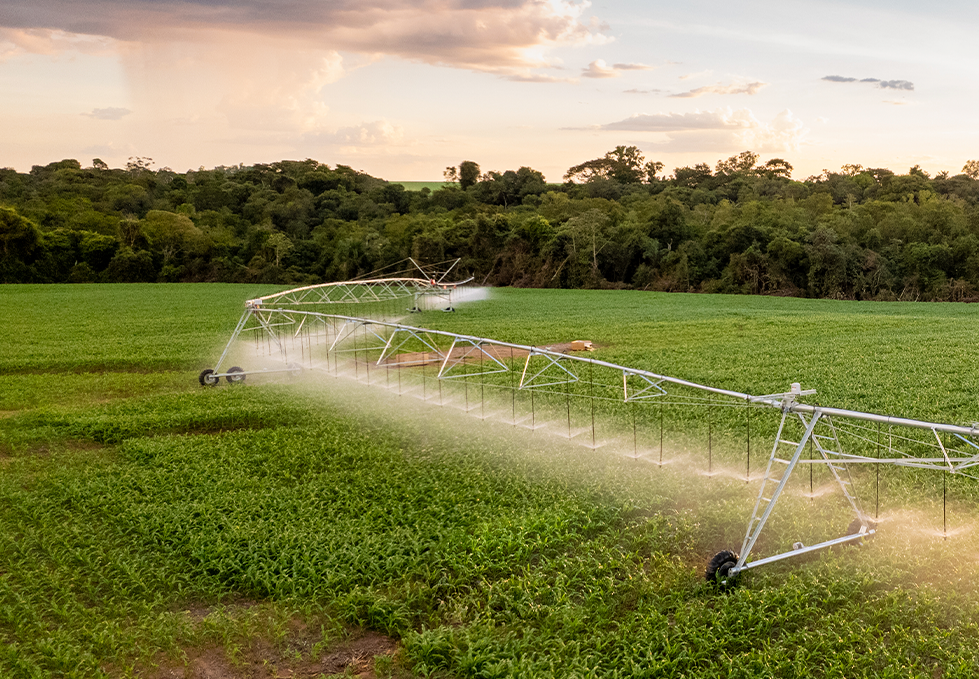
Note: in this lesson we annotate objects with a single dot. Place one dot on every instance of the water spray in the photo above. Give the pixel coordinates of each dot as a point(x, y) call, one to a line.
point(836, 438)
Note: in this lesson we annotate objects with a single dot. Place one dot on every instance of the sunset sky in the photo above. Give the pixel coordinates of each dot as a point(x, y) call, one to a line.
point(402, 89)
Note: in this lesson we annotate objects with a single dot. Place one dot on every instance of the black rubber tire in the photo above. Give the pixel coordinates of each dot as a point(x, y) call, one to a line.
point(235, 379)
point(854, 529)
point(719, 566)
point(206, 380)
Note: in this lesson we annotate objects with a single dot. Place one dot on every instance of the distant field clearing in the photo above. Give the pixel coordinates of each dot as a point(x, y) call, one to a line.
point(418, 186)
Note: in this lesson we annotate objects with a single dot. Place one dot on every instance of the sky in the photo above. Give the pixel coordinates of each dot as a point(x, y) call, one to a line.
point(403, 89)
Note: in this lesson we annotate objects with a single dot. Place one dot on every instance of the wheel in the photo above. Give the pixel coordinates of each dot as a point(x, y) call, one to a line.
point(854, 529)
point(719, 568)
point(234, 378)
point(207, 378)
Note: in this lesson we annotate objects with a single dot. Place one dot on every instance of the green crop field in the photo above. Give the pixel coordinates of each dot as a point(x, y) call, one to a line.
point(418, 186)
point(152, 527)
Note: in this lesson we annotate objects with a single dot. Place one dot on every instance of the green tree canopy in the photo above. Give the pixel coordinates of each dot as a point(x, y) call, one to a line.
point(18, 236)
point(623, 164)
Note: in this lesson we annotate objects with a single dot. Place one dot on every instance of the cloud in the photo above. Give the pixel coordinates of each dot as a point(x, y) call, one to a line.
point(110, 113)
point(366, 134)
point(20, 41)
point(896, 85)
point(733, 88)
point(487, 35)
point(719, 129)
point(784, 133)
point(378, 137)
point(638, 91)
point(698, 74)
point(599, 69)
point(721, 119)
point(279, 94)
point(229, 83)
point(535, 78)
point(882, 84)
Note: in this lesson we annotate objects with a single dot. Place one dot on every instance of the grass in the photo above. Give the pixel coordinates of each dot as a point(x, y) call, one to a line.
point(64, 329)
point(144, 520)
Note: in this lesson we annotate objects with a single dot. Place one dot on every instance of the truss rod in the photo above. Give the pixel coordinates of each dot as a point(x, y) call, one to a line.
point(779, 401)
point(784, 402)
point(407, 284)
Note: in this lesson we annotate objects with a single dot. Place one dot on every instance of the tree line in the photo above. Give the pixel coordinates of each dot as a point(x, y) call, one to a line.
point(615, 222)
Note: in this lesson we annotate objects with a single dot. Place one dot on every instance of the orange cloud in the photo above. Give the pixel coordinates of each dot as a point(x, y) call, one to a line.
point(734, 88)
point(599, 69)
point(485, 35)
point(109, 113)
point(224, 79)
point(15, 41)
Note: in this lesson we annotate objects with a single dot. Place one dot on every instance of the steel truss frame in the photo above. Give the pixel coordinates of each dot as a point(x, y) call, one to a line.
point(830, 431)
point(359, 292)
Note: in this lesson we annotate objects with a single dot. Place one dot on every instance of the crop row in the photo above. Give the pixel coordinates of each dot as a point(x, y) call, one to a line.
point(488, 548)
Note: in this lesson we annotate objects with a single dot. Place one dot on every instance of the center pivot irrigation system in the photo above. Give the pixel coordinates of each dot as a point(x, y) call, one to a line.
point(301, 331)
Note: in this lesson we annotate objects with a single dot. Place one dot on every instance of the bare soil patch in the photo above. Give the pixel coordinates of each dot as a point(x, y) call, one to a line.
point(298, 656)
point(41, 450)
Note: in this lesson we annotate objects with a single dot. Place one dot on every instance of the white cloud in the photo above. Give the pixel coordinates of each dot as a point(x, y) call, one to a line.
point(598, 69)
point(719, 129)
point(784, 133)
point(368, 139)
point(367, 134)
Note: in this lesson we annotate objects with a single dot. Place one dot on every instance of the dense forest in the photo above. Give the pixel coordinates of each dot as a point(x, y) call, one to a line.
point(616, 222)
